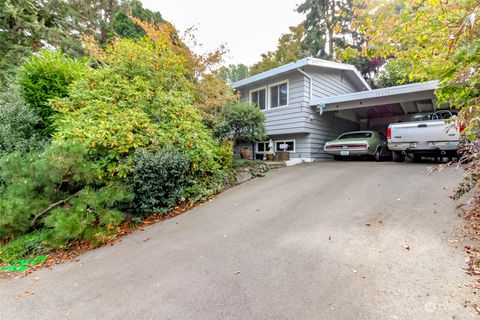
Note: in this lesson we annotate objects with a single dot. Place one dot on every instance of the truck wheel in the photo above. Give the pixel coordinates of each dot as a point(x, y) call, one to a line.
point(398, 156)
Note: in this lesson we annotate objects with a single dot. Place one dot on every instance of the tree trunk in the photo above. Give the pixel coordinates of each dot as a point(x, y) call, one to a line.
point(330, 26)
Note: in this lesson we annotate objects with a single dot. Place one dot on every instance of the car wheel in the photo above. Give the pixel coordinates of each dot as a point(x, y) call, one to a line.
point(378, 154)
point(398, 156)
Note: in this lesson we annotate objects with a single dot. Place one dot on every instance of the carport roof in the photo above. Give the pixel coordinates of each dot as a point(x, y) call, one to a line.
point(388, 95)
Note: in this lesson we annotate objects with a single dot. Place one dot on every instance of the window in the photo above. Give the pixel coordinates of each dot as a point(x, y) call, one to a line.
point(259, 98)
point(262, 147)
point(279, 95)
point(356, 135)
point(288, 145)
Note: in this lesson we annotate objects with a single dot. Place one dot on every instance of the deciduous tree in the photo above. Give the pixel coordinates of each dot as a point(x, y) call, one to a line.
point(289, 49)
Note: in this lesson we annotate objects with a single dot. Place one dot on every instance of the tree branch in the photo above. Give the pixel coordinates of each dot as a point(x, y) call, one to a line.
point(54, 205)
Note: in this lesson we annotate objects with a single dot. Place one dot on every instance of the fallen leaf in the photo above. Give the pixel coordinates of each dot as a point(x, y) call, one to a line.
point(23, 295)
point(368, 224)
point(406, 246)
point(237, 272)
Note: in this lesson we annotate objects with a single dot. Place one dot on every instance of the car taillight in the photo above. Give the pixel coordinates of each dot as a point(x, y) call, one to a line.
point(462, 127)
point(389, 133)
point(357, 146)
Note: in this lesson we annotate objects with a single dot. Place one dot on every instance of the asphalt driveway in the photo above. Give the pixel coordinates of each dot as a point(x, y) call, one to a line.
point(330, 240)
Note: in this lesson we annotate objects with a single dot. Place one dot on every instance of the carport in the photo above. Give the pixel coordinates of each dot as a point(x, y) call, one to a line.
point(376, 109)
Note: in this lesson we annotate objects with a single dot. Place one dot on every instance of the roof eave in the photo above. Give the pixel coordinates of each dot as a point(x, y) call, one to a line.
point(389, 91)
point(299, 64)
point(271, 73)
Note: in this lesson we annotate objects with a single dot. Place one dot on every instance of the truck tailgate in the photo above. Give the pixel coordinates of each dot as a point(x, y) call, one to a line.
point(433, 130)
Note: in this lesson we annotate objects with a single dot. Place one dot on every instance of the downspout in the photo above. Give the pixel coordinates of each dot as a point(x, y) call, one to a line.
point(310, 81)
point(310, 90)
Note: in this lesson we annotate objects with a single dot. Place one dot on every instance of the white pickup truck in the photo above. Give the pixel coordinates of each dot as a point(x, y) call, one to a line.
point(425, 135)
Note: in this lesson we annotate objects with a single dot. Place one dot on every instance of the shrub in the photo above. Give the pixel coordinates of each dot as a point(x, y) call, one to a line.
point(91, 215)
point(158, 180)
point(242, 122)
point(17, 123)
point(33, 181)
point(45, 77)
point(57, 188)
point(140, 98)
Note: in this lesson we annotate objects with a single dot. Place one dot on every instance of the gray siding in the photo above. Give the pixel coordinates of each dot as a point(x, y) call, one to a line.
point(330, 83)
point(284, 120)
point(298, 120)
point(328, 127)
point(302, 144)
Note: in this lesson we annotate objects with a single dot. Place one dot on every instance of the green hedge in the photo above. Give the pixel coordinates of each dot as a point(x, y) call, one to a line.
point(158, 179)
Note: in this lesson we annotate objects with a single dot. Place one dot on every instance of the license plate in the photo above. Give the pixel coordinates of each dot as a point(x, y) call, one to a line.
point(344, 153)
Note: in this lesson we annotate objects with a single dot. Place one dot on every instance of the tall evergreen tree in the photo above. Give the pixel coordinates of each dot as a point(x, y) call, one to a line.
point(27, 26)
point(20, 33)
point(123, 25)
point(328, 26)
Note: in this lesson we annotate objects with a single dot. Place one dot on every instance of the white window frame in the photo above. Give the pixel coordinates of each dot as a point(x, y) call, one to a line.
point(287, 82)
point(266, 96)
point(266, 149)
point(284, 141)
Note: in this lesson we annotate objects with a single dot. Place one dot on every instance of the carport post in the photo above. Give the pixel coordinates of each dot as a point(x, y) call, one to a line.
point(320, 108)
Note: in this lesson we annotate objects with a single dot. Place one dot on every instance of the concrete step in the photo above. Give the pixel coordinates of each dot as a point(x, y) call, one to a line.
point(275, 164)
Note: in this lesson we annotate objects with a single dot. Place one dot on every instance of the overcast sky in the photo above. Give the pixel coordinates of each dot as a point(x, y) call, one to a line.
point(247, 27)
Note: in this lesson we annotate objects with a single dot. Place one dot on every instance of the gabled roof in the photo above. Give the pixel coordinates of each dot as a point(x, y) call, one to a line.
point(364, 96)
point(355, 74)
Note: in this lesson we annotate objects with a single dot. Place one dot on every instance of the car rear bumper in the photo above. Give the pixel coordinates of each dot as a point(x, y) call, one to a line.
point(353, 153)
point(424, 147)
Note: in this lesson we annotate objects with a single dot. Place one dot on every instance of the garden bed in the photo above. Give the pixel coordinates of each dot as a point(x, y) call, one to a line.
point(33, 261)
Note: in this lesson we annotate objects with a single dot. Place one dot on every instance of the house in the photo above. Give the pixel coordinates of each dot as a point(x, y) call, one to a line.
point(311, 101)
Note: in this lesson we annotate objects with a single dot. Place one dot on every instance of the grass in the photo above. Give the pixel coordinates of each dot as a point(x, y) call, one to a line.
point(25, 246)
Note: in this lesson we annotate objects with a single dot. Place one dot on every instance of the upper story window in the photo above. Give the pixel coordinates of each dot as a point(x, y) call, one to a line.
point(279, 95)
point(259, 97)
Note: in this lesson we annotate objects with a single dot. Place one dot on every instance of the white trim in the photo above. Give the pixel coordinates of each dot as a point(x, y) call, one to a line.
point(310, 80)
point(256, 147)
point(279, 83)
point(286, 140)
point(377, 93)
point(302, 63)
point(266, 96)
